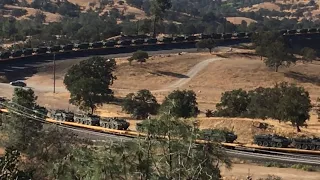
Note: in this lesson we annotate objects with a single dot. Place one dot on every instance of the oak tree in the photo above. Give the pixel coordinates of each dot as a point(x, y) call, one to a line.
point(89, 82)
point(140, 104)
point(185, 103)
point(206, 44)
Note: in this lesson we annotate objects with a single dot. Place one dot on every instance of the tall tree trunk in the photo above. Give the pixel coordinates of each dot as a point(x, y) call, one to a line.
point(92, 109)
point(210, 50)
point(298, 128)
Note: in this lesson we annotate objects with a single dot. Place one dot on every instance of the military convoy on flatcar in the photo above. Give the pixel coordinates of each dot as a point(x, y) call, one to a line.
point(89, 119)
point(271, 140)
point(139, 40)
point(218, 135)
point(114, 123)
point(61, 115)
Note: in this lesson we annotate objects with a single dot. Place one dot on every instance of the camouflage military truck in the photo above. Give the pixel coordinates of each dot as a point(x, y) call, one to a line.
point(87, 119)
point(271, 140)
point(306, 143)
point(218, 135)
point(114, 123)
point(61, 115)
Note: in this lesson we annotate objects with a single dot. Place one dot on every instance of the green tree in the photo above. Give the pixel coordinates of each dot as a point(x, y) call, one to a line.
point(308, 54)
point(233, 104)
point(141, 104)
point(277, 55)
point(185, 101)
point(294, 105)
point(158, 9)
point(88, 82)
point(262, 41)
point(9, 166)
point(140, 56)
point(206, 44)
point(21, 129)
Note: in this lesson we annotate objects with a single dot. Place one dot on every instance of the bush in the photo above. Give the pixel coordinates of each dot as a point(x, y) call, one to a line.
point(18, 12)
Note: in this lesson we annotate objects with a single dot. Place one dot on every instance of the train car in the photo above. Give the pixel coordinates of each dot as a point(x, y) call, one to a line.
point(151, 40)
point(179, 39)
point(55, 48)
point(125, 42)
point(5, 55)
point(190, 38)
point(16, 53)
point(271, 140)
point(138, 41)
point(114, 123)
point(293, 31)
point(110, 43)
point(239, 35)
point(216, 36)
point(27, 51)
point(41, 50)
point(204, 36)
point(312, 30)
point(96, 44)
point(227, 36)
point(83, 46)
point(302, 31)
point(306, 143)
point(166, 40)
point(68, 47)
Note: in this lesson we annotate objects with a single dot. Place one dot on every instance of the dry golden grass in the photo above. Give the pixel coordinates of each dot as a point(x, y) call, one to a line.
point(50, 17)
point(238, 20)
point(266, 5)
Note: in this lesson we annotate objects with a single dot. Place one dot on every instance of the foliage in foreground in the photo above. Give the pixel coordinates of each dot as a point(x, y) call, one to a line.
point(141, 104)
point(56, 154)
point(89, 82)
point(184, 103)
point(176, 157)
point(285, 102)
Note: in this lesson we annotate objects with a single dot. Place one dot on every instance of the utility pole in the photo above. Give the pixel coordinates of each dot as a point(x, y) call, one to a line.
point(54, 72)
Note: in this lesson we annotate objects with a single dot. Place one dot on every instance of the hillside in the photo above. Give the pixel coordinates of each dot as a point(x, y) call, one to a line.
point(235, 71)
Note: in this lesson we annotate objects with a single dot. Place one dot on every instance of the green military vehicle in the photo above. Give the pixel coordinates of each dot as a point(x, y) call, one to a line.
point(61, 115)
point(218, 135)
point(114, 123)
point(88, 119)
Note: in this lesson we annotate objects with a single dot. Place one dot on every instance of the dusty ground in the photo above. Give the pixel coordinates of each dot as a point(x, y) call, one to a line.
point(241, 171)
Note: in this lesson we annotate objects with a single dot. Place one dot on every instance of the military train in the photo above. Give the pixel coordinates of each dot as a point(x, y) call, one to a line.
point(125, 41)
point(272, 140)
point(89, 119)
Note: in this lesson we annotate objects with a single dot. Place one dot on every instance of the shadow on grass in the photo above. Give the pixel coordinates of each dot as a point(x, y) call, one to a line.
point(303, 77)
point(167, 73)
